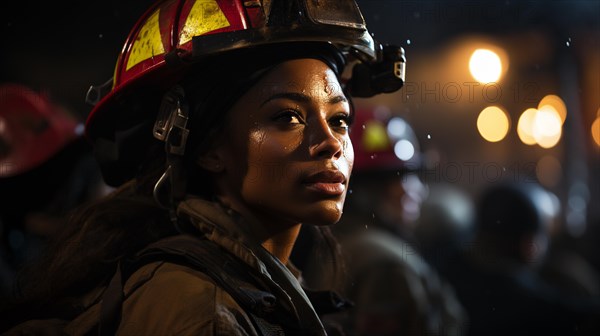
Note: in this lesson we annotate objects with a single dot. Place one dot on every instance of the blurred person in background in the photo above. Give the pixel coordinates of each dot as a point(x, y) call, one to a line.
point(394, 290)
point(445, 224)
point(46, 169)
point(495, 278)
point(565, 265)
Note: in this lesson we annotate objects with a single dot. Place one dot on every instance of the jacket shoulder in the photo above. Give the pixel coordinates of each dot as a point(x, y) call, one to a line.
point(163, 298)
point(178, 300)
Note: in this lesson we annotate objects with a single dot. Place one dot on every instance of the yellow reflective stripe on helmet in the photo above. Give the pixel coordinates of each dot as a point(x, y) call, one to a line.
point(205, 16)
point(148, 42)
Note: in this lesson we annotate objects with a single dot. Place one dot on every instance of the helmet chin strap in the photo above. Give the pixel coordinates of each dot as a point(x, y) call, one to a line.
point(171, 127)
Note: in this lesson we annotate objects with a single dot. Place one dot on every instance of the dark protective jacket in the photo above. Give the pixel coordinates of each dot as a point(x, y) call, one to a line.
point(170, 297)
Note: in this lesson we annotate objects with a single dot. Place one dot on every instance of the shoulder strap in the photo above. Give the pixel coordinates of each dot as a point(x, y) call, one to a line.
point(201, 254)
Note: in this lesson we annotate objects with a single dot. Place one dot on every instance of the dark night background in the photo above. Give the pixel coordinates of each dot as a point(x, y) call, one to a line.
point(62, 48)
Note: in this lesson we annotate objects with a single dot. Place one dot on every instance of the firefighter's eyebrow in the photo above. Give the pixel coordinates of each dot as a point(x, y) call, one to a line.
point(302, 98)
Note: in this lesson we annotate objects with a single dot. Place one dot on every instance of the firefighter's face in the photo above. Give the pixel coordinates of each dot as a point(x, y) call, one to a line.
point(286, 153)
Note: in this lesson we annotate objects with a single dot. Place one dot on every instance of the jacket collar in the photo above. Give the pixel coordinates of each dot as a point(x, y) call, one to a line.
point(229, 230)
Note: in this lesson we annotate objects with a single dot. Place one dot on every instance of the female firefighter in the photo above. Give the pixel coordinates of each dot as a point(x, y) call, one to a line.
point(225, 130)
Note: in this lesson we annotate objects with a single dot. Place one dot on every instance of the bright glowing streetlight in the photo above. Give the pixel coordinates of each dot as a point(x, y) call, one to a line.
point(485, 66)
point(525, 126)
point(493, 123)
point(557, 103)
point(547, 127)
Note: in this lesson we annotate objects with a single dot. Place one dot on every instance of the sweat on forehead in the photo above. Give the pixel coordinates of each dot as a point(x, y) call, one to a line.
point(317, 83)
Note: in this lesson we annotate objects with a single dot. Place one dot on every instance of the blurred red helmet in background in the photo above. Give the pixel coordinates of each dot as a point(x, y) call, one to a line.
point(383, 143)
point(32, 129)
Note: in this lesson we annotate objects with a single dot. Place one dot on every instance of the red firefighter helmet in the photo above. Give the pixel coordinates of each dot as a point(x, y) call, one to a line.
point(174, 36)
point(32, 129)
point(383, 143)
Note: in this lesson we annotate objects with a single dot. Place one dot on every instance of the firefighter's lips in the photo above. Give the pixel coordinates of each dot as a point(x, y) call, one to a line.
point(328, 182)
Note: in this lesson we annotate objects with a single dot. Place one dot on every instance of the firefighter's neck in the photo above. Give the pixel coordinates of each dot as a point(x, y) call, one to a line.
point(276, 235)
point(281, 243)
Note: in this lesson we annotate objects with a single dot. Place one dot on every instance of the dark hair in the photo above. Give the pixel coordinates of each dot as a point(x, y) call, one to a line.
point(318, 254)
point(85, 253)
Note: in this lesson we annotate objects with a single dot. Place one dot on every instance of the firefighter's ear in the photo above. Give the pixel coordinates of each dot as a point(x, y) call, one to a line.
point(211, 161)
